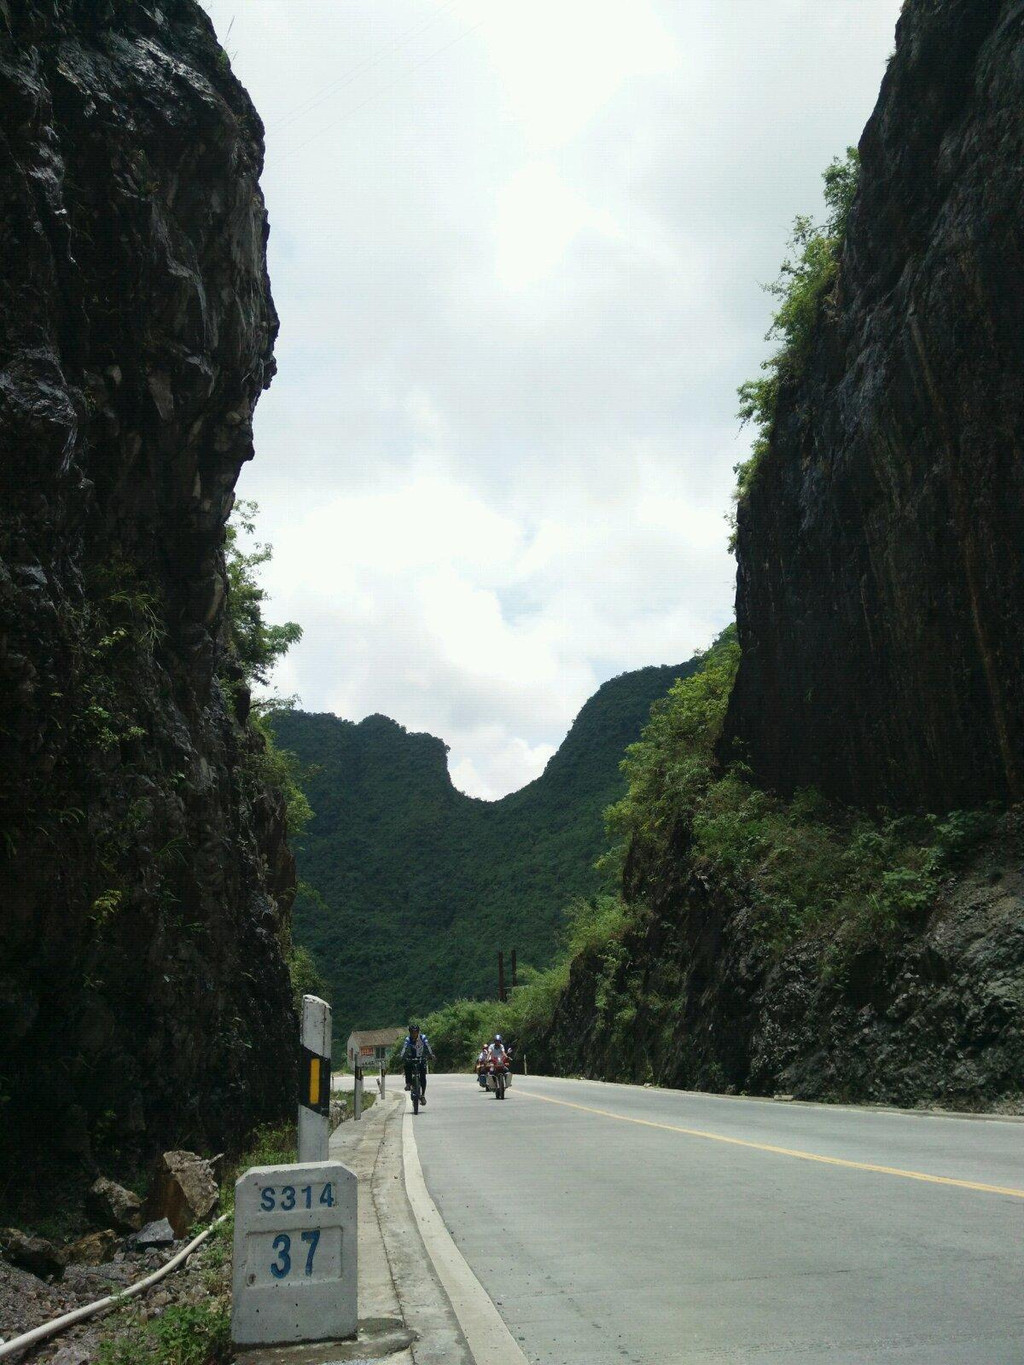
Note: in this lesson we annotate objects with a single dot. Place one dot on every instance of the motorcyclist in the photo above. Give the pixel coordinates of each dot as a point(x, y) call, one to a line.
point(498, 1065)
point(416, 1050)
point(496, 1051)
point(483, 1056)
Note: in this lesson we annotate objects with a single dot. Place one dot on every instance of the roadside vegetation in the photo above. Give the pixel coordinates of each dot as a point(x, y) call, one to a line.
point(805, 867)
point(195, 1328)
point(185, 1334)
point(254, 647)
point(418, 885)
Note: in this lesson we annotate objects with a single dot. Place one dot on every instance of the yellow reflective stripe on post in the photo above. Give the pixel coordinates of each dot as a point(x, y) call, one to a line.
point(313, 1081)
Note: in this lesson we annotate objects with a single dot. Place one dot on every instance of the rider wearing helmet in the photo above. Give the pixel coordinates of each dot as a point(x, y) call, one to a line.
point(481, 1064)
point(415, 1051)
point(496, 1051)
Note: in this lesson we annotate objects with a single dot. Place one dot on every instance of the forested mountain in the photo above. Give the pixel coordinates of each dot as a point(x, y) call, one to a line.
point(420, 884)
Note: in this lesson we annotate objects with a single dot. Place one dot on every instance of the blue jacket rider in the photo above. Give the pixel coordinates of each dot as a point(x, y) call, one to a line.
point(415, 1051)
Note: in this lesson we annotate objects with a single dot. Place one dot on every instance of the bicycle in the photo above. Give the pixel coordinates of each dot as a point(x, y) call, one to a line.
point(416, 1075)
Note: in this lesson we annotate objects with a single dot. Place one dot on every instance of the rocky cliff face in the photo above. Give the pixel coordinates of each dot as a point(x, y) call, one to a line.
point(880, 598)
point(695, 996)
point(145, 876)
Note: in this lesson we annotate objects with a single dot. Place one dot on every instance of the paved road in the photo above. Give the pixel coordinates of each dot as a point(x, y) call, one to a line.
point(613, 1236)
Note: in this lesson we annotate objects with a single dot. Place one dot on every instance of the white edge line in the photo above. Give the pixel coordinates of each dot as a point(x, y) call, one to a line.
point(490, 1341)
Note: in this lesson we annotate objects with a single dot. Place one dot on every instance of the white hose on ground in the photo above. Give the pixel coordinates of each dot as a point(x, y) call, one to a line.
point(90, 1310)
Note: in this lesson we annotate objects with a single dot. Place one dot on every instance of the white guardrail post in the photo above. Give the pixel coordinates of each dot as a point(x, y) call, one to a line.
point(357, 1093)
point(315, 1079)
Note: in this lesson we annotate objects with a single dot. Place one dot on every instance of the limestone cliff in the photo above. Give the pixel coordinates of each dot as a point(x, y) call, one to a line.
point(880, 597)
point(145, 881)
point(695, 995)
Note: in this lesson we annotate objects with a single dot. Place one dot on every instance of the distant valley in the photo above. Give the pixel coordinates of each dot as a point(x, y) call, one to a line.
point(421, 884)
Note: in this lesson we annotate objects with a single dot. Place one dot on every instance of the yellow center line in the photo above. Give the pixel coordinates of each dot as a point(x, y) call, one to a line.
point(783, 1151)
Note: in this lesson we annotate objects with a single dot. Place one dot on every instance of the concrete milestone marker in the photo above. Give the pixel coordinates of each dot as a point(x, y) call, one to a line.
point(295, 1273)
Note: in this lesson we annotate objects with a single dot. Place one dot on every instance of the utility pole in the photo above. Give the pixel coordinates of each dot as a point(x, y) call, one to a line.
point(515, 978)
point(501, 975)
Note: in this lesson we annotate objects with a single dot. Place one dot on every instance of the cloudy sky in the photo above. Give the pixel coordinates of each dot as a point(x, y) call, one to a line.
point(517, 246)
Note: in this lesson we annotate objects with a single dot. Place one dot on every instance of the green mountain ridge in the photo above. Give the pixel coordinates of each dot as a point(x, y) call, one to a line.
point(421, 884)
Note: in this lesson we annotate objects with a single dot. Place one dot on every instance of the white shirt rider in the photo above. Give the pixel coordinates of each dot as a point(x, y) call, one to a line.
point(496, 1051)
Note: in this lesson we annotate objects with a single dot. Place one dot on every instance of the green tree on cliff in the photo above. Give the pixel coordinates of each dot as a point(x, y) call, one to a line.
point(255, 643)
point(255, 646)
point(804, 283)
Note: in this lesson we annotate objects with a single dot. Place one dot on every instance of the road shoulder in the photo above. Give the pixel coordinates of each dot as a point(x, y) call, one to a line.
point(418, 1291)
point(490, 1341)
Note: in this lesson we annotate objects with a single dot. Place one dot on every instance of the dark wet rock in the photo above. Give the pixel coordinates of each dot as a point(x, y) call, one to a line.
point(880, 590)
point(158, 1233)
point(183, 1191)
point(35, 1254)
point(144, 875)
point(95, 1248)
point(113, 1206)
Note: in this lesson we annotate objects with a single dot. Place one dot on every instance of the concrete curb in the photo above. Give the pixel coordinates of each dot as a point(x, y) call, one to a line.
point(490, 1341)
point(394, 1269)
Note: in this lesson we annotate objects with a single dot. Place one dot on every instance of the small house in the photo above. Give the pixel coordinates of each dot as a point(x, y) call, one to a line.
point(369, 1047)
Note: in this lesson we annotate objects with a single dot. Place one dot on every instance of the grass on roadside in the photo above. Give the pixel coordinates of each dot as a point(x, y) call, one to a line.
point(190, 1332)
point(186, 1334)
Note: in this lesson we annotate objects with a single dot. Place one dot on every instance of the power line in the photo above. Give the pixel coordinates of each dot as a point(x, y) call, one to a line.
point(367, 64)
point(291, 151)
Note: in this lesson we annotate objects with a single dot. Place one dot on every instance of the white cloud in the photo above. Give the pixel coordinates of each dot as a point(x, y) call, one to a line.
point(538, 216)
point(559, 63)
point(516, 250)
point(505, 758)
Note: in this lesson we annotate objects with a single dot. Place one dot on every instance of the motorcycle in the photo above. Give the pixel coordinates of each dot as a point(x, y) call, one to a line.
point(499, 1078)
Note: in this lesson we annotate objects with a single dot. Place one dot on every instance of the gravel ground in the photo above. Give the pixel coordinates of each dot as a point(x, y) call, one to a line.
point(27, 1301)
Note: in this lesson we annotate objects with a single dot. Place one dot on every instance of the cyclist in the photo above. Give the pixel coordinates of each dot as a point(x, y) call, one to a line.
point(416, 1050)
